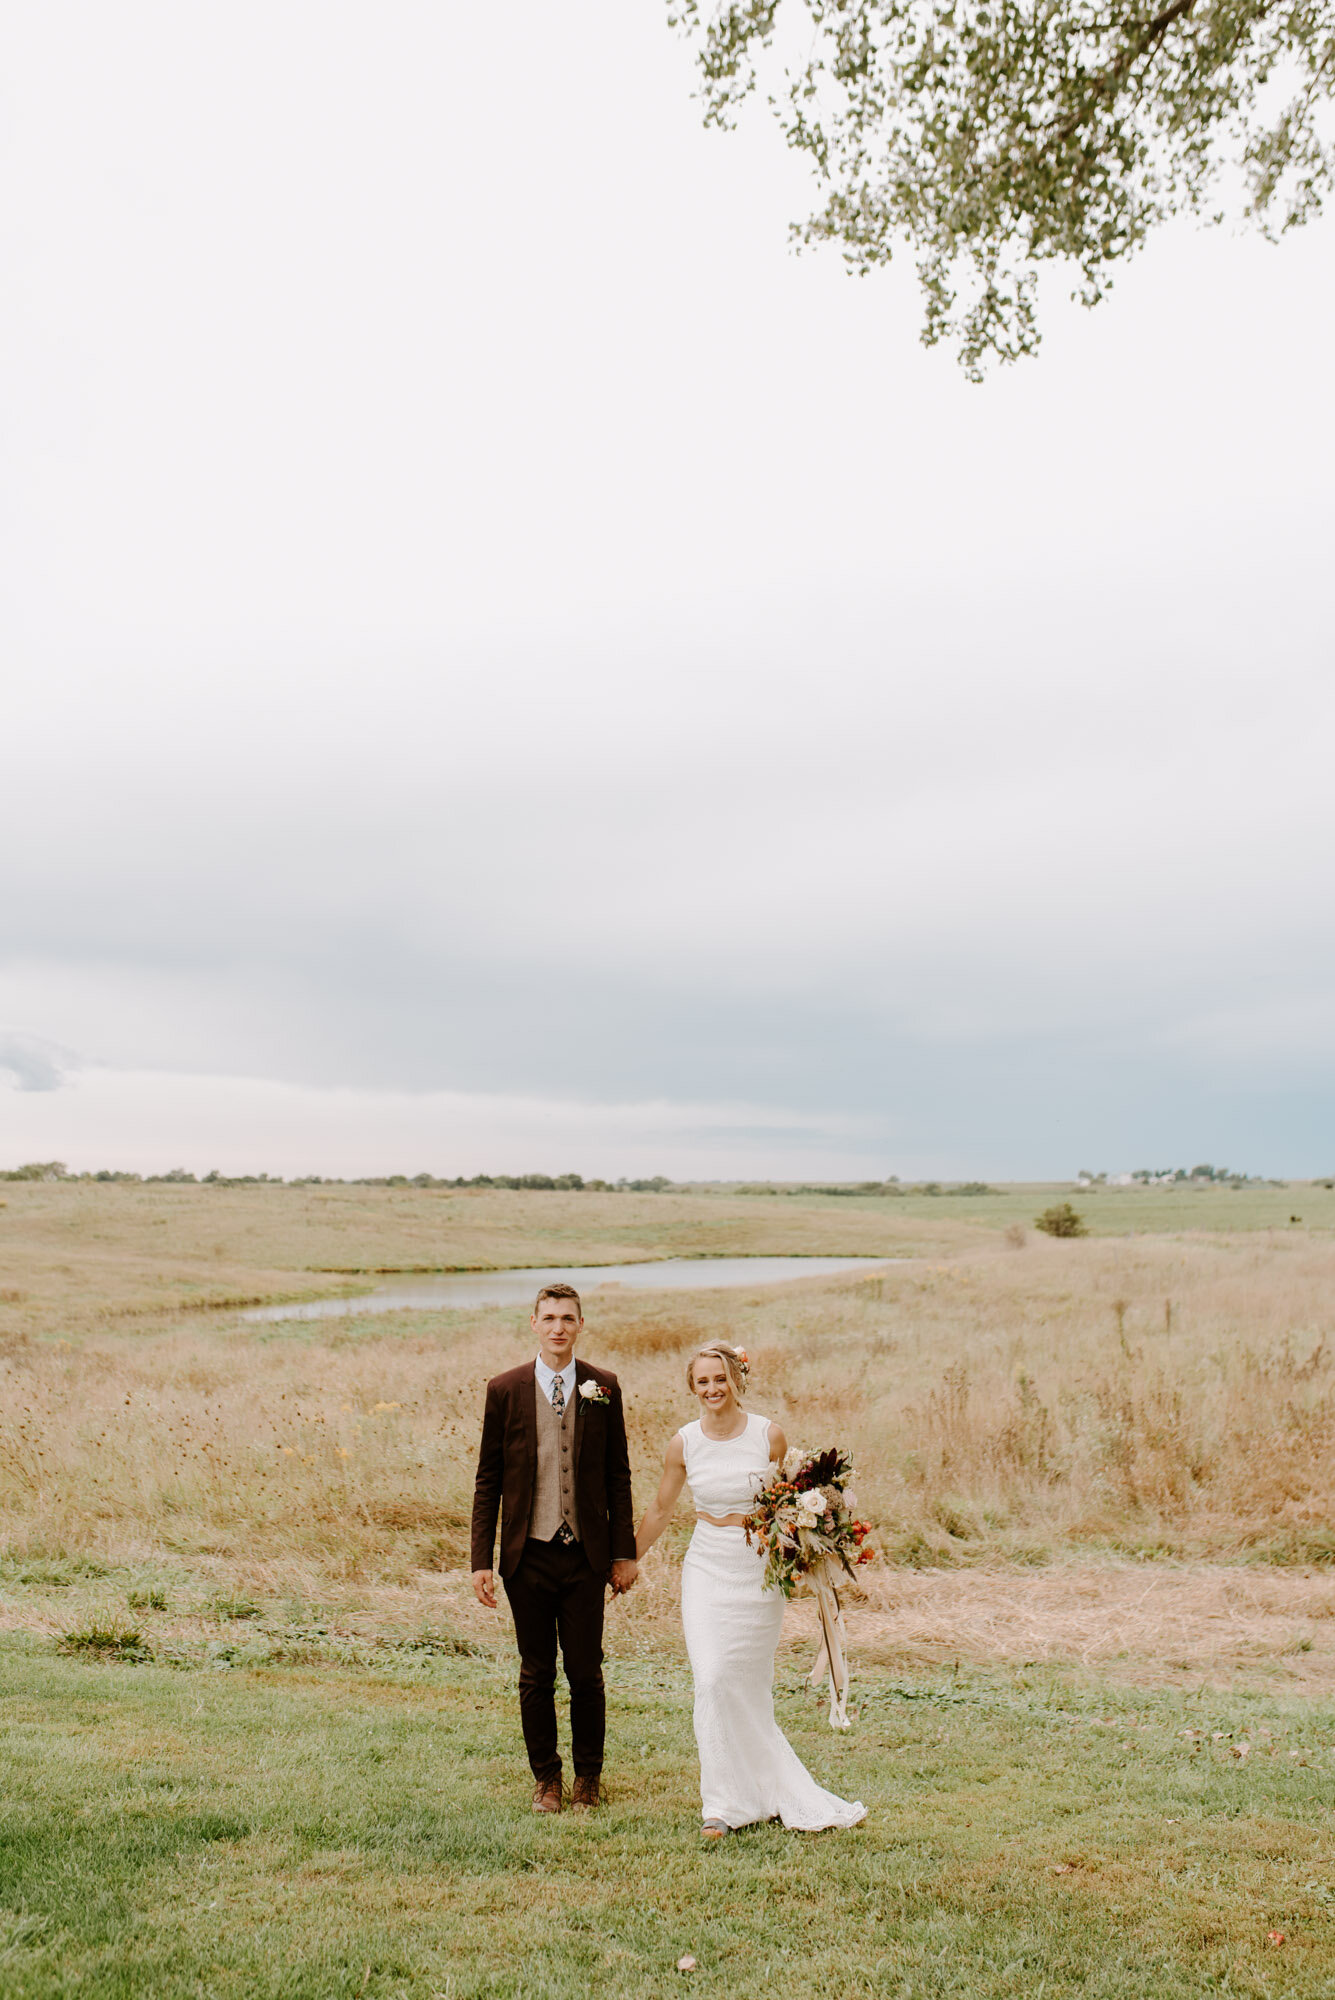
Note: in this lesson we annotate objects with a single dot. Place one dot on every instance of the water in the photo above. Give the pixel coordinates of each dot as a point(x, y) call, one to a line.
point(452, 1289)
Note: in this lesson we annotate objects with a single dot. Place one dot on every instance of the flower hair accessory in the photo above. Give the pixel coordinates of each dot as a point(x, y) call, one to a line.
point(742, 1361)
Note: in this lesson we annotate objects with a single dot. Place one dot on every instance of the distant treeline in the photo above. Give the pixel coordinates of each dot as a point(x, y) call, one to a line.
point(56, 1170)
point(1202, 1176)
point(893, 1186)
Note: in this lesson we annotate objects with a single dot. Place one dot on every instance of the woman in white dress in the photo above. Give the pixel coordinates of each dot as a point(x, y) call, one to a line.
point(748, 1769)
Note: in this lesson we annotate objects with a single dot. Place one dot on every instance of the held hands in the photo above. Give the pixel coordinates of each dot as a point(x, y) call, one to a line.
point(621, 1576)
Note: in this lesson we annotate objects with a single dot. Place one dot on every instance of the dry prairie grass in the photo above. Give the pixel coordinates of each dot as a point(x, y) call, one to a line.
point(76, 1256)
point(1154, 1395)
point(1185, 1624)
point(1098, 1402)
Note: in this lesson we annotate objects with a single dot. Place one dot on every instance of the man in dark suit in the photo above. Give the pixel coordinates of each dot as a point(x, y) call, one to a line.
point(555, 1467)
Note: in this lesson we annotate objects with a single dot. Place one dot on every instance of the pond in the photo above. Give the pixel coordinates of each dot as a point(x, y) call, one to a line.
point(448, 1290)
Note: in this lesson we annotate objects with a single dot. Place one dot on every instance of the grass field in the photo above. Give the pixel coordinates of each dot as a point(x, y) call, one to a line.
point(258, 1737)
point(300, 1835)
point(77, 1254)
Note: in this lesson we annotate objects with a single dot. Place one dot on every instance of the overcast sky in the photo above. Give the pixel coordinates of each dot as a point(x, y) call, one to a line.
point(509, 668)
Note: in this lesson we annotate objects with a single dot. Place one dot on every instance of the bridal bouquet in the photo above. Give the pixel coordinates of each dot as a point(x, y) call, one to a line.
point(805, 1519)
point(806, 1522)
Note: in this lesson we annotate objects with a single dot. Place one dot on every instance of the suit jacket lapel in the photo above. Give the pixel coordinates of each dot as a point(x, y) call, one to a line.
point(528, 1405)
point(579, 1411)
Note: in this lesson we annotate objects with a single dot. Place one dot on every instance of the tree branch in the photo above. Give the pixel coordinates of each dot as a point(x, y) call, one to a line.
point(1150, 32)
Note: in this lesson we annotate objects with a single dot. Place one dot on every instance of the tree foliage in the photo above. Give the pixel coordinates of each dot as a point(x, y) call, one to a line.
point(1061, 1220)
point(994, 136)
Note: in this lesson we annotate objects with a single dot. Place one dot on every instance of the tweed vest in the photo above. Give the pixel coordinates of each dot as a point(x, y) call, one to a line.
point(554, 1499)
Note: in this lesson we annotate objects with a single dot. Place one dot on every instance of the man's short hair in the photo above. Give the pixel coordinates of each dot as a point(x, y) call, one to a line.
point(558, 1292)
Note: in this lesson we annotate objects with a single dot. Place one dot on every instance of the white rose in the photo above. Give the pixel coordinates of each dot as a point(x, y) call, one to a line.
point(812, 1503)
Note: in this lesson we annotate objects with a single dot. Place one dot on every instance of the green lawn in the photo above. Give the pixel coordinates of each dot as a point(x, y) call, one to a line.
point(1109, 1211)
point(323, 1830)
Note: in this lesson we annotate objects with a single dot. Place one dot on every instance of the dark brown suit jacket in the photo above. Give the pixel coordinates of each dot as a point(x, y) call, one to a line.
point(507, 1467)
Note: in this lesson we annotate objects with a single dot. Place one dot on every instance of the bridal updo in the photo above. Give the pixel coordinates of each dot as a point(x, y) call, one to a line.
point(733, 1359)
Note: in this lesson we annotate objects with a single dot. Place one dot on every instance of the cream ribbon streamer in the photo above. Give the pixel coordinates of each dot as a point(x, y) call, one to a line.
point(833, 1655)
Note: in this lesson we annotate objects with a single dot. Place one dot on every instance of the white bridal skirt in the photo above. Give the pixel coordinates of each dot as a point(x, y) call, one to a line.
point(748, 1769)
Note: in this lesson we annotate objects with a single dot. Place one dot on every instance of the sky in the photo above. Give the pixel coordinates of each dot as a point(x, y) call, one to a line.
point(510, 668)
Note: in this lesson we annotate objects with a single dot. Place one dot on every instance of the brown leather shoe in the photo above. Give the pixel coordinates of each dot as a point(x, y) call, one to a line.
point(547, 1795)
point(585, 1794)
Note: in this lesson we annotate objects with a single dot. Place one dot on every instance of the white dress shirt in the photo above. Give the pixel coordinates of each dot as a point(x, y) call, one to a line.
point(546, 1376)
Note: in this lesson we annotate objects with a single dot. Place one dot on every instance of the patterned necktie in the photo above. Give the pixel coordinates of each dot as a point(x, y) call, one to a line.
point(558, 1396)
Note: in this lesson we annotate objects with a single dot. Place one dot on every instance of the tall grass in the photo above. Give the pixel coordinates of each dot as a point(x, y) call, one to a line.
point(1171, 1394)
point(1146, 1396)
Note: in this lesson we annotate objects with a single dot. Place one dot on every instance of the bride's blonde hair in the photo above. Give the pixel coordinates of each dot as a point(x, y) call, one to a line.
point(733, 1359)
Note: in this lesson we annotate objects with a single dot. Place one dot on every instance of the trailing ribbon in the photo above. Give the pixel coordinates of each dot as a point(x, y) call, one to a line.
point(833, 1655)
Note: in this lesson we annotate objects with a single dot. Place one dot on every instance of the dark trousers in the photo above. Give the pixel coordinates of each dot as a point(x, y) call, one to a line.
point(556, 1597)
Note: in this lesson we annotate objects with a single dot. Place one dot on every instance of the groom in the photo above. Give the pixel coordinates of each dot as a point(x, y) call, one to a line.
point(554, 1465)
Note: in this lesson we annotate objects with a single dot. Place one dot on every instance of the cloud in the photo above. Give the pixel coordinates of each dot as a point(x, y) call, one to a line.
point(35, 1063)
point(688, 693)
point(147, 1121)
point(952, 1114)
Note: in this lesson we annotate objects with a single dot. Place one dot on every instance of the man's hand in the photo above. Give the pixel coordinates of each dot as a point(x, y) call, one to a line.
point(484, 1587)
point(623, 1574)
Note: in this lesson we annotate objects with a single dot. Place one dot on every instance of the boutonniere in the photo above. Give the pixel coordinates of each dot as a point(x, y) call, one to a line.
point(594, 1392)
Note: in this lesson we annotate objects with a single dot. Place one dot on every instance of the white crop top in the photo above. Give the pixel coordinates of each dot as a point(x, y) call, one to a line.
point(726, 1473)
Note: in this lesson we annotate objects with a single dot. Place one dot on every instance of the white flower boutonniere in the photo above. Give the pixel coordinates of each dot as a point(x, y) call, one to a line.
point(594, 1392)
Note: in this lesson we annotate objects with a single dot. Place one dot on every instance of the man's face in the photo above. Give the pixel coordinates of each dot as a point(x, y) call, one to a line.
point(558, 1326)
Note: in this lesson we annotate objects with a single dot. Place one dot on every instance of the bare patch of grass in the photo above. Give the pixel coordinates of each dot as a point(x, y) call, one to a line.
point(1174, 1623)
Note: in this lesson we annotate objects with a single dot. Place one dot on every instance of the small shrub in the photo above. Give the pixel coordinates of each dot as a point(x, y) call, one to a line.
point(106, 1642)
point(1060, 1220)
point(147, 1600)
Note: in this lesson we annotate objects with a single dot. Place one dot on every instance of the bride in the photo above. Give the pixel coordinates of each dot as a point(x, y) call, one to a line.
point(748, 1769)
